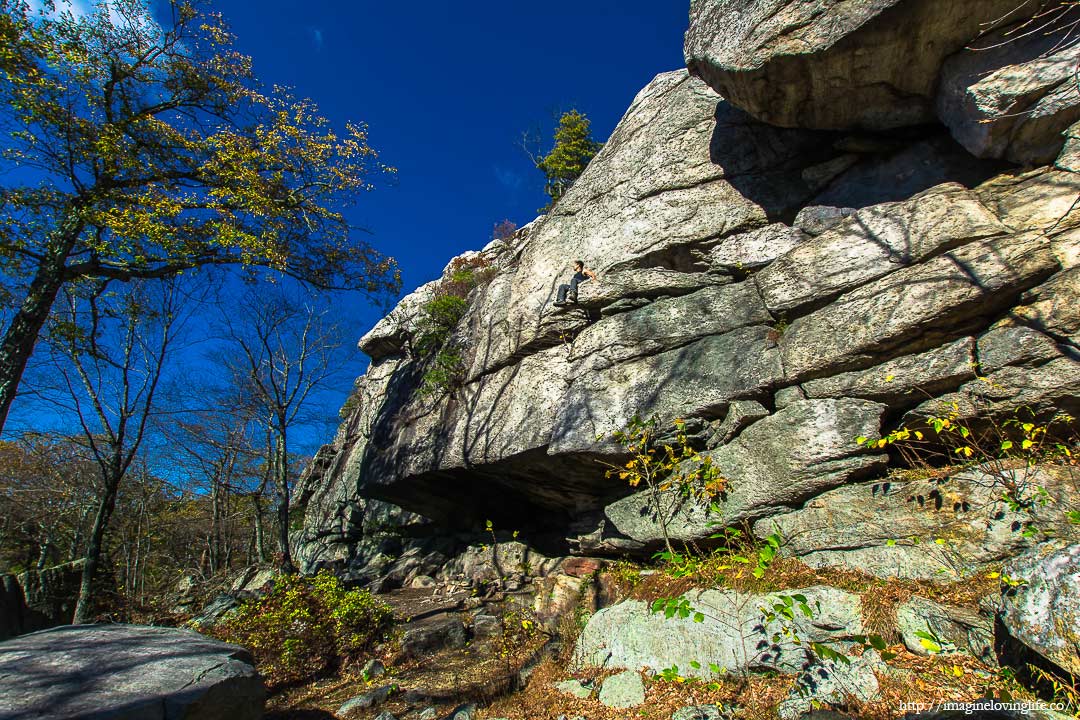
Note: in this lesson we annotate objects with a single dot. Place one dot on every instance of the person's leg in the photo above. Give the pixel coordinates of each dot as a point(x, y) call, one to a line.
point(573, 290)
point(561, 297)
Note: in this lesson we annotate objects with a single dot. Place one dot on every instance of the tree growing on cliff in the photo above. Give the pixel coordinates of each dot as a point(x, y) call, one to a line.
point(574, 147)
point(136, 150)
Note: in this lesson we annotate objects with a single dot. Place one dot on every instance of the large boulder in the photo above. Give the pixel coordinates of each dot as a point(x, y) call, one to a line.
point(127, 672)
point(871, 64)
point(1013, 93)
point(735, 633)
point(1043, 610)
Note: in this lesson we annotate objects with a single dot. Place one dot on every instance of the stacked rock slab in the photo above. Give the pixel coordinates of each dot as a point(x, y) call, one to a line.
point(813, 259)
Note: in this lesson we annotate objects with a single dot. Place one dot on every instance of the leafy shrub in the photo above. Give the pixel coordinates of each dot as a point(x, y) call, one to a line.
point(438, 318)
point(504, 230)
point(306, 626)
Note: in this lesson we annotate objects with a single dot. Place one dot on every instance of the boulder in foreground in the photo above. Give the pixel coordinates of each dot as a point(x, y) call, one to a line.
point(127, 672)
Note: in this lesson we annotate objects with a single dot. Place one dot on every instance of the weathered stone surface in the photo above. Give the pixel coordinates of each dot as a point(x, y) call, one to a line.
point(575, 688)
point(906, 380)
point(1044, 612)
point(697, 380)
point(1008, 344)
point(913, 308)
point(624, 690)
point(1012, 94)
point(1039, 392)
point(425, 637)
point(392, 334)
point(1069, 158)
point(740, 415)
point(776, 463)
point(1053, 307)
point(681, 171)
point(126, 672)
point(1041, 199)
point(875, 241)
point(754, 249)
point(370, 699)
point(698, 712)
point(959, 628)
point(732, 634)
point(670, 323)
point(828, 682)
point(827, 64)
point(816, 219)
point(618, 285)
point(892, 528)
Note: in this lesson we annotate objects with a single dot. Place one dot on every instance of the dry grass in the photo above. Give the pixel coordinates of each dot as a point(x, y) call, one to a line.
point(756, 696)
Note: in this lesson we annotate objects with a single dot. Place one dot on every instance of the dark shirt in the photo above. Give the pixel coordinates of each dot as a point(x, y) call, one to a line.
point(580, 276)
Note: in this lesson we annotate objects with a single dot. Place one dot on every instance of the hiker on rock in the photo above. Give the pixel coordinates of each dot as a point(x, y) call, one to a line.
point(581, 274)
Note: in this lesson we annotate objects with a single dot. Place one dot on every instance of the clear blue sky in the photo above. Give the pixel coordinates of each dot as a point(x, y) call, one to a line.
point(447, 88)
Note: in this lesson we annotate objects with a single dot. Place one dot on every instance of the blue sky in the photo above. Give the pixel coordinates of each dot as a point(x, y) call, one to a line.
point(447, 88)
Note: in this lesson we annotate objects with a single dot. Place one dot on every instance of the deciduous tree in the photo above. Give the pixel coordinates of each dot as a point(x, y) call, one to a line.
point(135, 149)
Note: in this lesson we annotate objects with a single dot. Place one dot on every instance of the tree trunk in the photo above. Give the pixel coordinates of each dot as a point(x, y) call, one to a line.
point(22, 333)
point(93, 549)
point(281, 466)
point(260, 536)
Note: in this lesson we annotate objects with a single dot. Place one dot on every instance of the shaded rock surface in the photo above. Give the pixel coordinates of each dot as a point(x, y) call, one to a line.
point(1044, 611)
point(38, 599)
point(127, 671)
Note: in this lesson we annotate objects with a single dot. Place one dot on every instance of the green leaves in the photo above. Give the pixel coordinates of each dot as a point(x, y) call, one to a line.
point(676, 607)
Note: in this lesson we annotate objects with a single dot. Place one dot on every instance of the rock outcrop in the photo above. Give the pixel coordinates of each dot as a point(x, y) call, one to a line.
point(807, 260)
point(38, 599)
point(127, 672)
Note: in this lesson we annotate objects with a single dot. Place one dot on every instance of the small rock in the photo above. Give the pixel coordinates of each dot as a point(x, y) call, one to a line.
point(575, 688)
point(463, 712)
point(372, 669)
point(816, 219)
point(581, 566)
point(624, 690)
point(422, 582)
point(385, 716)
point(431, 636)
point(1042, 611)
point(366, 701)
point(698, 712)
point(428, 713)
point(485, 626)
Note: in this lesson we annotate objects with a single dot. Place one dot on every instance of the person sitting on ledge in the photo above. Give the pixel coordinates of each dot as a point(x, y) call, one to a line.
point(581, 274)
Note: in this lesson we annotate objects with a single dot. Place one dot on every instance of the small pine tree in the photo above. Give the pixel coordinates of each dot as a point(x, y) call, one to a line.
point(573, 149)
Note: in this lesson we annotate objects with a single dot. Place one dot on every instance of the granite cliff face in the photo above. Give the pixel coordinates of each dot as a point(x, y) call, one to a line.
point(841, 245)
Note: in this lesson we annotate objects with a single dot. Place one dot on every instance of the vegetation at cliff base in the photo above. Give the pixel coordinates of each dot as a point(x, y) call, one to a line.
point(306, 626)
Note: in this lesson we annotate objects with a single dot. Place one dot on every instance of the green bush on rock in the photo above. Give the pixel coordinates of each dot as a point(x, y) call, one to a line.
point(306, 626)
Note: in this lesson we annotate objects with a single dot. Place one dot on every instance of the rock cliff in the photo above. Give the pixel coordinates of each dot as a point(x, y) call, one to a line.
point(840, 221)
